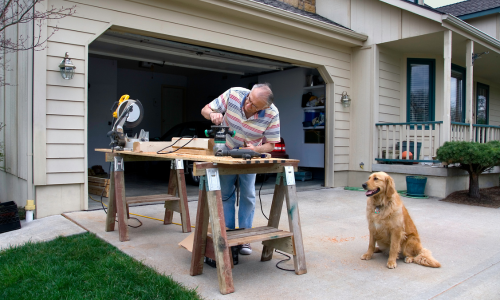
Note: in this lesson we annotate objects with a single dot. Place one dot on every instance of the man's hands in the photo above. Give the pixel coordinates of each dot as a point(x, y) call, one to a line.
point(216, 118)
point(266, 148)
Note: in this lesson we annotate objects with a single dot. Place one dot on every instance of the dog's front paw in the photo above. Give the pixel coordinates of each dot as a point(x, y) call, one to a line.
point(392, 264)
point(367, 256)
point(409, 259)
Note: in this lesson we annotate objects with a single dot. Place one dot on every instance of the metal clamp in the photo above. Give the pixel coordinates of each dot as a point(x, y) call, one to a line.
point(213, 179)
point(118, 164)
point(177, 164)
point(289, 175)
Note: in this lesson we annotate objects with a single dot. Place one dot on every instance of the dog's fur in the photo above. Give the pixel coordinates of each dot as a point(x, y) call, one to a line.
point(390, 225)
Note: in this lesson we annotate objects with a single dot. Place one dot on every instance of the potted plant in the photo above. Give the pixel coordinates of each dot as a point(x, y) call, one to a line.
point(415, 186)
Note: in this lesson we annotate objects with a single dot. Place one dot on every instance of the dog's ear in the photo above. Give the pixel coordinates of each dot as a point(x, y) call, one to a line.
point(390, 187)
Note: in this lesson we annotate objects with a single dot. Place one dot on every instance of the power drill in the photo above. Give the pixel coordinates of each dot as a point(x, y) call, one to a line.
point(219, 132)
point(239, 153)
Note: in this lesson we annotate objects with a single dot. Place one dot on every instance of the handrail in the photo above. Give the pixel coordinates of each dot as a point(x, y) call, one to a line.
point(460, 123)
point(411, 123)
point(486, 126)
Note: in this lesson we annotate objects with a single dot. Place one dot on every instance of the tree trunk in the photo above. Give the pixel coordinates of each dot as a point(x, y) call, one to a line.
point(474, 186)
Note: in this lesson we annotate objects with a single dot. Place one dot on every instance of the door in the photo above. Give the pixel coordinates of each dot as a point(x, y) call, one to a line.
point(172, 106)
point(482, 103)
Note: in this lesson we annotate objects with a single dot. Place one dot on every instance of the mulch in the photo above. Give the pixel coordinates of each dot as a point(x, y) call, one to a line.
point(490, 197)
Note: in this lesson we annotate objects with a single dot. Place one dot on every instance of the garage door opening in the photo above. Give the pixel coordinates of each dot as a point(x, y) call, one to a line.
point(174, 81)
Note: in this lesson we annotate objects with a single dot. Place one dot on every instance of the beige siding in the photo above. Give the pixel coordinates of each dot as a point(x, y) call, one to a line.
point(487, 24)
point(380, 21)
point(389, 87)
point(495, 105)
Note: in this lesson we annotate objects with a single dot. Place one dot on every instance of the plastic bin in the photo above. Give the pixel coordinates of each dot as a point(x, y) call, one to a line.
point(415, 186)
point(310, 115)
point(9, 217)
point(303, 175)
point(314, 136)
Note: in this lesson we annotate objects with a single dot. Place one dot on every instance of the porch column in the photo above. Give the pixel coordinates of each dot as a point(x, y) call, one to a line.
point(469, 86)
point(446, 87)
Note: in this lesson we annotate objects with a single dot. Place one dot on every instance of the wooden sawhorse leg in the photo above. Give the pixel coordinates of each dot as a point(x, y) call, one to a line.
point(177, 184)
point(285, 188)
point(210, 204)
point(117, 203)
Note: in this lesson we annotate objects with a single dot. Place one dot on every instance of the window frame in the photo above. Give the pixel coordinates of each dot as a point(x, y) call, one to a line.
point(462, 70)
point(432, 88)
point(487, 87)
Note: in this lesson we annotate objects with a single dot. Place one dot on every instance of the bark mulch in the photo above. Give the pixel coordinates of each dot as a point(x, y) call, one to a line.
point(490, 197)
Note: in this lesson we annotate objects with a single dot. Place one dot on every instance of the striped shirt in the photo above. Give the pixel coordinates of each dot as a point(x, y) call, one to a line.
point(262, 127)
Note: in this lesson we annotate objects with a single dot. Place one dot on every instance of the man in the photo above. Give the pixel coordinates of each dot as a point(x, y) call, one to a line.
point(255, 119)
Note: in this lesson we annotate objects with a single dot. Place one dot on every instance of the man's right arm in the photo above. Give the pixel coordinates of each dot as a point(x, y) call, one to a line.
point(211, 115)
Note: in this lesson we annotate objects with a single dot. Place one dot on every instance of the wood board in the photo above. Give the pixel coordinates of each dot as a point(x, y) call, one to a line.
point(129, 155)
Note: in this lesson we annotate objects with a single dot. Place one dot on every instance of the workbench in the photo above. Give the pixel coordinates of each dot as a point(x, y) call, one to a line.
point(210, 209)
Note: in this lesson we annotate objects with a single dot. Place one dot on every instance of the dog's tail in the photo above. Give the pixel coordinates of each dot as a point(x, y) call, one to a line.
point(425, 258)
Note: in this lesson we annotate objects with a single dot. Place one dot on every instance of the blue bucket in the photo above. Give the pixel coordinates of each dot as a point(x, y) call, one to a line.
point(415, 186)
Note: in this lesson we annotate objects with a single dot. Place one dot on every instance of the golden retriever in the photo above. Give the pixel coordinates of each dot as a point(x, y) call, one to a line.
point(390, 225)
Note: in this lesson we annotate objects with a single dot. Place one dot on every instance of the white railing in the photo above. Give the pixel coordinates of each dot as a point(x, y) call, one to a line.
point(480, 133)
point(421, 139)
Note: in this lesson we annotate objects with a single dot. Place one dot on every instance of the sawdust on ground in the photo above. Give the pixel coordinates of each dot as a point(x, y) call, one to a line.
point(490, 197)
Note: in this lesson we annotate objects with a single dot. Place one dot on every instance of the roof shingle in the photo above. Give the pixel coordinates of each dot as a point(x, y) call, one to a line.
point(469, 7)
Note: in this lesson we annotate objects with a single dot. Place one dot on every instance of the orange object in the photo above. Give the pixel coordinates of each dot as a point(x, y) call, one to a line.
point(406, 153)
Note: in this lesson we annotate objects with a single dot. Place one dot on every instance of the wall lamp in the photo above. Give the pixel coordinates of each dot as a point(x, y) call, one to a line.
point(67, 68)
point(345, 100)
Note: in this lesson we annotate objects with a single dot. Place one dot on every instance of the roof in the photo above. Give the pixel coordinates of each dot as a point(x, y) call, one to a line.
point(469, 7)
point(292, 9)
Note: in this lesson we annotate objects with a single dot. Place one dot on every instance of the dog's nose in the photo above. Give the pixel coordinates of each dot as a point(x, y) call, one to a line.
point(364, 186)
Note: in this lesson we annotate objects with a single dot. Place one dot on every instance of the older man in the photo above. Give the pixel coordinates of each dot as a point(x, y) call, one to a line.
point(255, 119)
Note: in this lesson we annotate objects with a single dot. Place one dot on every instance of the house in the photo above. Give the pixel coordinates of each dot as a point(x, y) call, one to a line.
point(408, 68)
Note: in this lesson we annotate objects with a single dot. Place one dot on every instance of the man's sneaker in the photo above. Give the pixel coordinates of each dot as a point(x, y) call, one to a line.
point(246, 249)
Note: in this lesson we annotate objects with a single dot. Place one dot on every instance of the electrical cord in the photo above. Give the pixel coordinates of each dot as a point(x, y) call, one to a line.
point(194, 136)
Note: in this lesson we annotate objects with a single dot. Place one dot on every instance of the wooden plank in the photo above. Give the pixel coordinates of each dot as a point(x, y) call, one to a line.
point(151, 146)
point(222, 255)
point(284, 244)
point(199, 169)
point(109, 157)
point(181, 190)
point(173, 206)
point(151, 198)
point(99, 180)
point(172, 190)
point(274, 217)
point(99, 191)
point(151, 156)
point(259, 238)
point(200, 235)
point(197, 143)
point(194, 151)
point(299, 259)
point(111, 215)
point(121, 206)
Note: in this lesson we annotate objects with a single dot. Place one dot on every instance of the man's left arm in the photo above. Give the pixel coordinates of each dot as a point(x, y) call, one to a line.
point(265, 148)
point(271, 136)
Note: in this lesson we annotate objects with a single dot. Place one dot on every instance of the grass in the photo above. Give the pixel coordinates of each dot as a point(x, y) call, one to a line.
point(81, 267)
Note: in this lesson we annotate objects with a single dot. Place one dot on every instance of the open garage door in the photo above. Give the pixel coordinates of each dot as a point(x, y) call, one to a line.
point(174, 81)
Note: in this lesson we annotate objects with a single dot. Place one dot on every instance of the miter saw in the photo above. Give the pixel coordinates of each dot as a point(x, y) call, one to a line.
point(129, 114)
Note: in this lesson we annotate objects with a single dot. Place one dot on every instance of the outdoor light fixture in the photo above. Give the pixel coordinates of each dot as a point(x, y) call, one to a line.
point(345, 100)
point(67, 67)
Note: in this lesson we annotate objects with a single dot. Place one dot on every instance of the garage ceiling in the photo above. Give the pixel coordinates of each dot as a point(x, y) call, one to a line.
point(157, 51)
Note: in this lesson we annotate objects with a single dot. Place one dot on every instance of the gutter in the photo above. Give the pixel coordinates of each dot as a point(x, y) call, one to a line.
point(452, 20)
point(299, 18)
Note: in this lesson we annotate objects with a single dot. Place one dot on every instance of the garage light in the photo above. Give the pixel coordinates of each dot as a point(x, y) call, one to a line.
point(345, 100)
point(67, 67)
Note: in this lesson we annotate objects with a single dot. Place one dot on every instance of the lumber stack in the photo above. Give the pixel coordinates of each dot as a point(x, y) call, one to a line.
point(97, 185)
point(197, 146)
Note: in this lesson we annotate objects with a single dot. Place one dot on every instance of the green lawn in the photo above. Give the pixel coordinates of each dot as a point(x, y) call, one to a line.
point(81, 267)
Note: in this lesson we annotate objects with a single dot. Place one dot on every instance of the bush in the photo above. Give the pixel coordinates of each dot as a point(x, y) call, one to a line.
point(473, 157)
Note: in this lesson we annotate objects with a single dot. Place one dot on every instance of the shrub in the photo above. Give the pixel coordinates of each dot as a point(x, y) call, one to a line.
point(473, 157)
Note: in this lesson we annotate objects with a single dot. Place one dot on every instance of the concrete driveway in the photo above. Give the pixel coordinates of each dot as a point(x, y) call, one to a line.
point(464, 239)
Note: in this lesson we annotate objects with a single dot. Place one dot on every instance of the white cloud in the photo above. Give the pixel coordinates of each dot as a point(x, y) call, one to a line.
point(439, 3)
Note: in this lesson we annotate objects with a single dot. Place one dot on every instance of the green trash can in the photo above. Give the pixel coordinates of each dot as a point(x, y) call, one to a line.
point(415, 186)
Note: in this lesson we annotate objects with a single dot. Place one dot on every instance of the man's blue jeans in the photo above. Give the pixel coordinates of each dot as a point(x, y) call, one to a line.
point(247, 200)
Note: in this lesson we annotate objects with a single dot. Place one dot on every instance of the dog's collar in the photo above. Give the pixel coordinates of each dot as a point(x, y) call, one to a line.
point(377, 209)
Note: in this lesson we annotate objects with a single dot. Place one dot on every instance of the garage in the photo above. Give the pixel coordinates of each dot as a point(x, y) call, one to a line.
point(175, 80)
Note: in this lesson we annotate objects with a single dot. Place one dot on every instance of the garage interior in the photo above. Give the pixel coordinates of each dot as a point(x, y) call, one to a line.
point(174, 81)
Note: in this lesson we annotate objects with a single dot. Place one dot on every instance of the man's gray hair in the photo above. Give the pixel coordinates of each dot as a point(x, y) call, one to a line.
point(267, 86)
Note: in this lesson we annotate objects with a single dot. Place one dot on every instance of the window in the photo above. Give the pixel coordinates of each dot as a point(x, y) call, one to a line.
point(420, 90)
point(457, 91)
point(482, 103)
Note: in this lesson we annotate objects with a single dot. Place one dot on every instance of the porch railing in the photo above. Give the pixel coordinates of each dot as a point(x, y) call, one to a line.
point(480, 133)
point(396, 140)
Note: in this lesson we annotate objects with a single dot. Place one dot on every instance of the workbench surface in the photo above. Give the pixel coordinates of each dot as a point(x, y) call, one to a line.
point(202, 158)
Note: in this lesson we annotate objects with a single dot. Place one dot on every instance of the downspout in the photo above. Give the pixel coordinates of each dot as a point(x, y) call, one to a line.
point(31, 186)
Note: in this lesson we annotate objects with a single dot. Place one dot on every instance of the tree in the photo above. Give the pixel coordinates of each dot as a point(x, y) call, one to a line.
point(17, 12)
point(473, 157)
